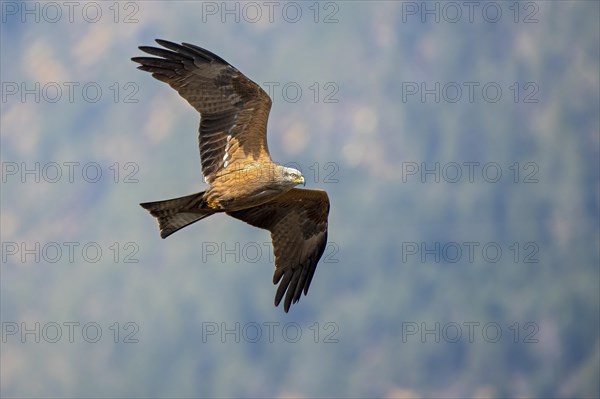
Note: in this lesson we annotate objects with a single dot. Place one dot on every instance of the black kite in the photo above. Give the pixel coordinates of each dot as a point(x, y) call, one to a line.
point(243, 180)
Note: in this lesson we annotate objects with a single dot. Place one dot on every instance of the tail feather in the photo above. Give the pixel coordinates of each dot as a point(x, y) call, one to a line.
point(174, 214)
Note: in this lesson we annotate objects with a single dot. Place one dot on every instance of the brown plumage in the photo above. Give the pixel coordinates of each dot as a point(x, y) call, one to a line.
point(243, 180)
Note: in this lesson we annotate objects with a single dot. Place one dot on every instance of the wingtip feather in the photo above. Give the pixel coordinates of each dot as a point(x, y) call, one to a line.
point(165, 43)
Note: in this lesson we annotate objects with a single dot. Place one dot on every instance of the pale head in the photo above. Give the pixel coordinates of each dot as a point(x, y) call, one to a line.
point(291, 175)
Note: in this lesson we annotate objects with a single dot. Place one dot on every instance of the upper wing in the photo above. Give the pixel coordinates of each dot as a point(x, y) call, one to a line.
point(297, 221)
point(234, 109)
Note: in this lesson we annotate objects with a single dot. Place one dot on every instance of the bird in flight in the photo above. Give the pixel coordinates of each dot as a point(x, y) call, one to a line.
point(243, 180)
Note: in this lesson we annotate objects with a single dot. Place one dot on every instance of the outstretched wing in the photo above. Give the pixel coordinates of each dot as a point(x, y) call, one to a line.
point(234, 110)
point(297, 221)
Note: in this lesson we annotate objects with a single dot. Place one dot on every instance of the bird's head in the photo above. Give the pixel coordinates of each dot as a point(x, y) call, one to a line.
point(292, 175)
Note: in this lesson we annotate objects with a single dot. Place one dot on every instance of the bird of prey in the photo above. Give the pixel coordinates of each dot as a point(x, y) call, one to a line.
point(243, 180)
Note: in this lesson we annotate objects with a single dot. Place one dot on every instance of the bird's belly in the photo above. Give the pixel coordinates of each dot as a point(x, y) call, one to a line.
point(228, 202)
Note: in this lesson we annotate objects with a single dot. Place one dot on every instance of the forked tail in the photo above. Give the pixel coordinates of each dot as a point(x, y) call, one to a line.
point(174, 214)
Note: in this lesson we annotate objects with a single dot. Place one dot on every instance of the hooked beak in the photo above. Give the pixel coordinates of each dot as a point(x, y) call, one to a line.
point(301, 180)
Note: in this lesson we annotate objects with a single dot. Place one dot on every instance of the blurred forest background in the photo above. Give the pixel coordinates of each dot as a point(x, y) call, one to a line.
point(399, 305)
